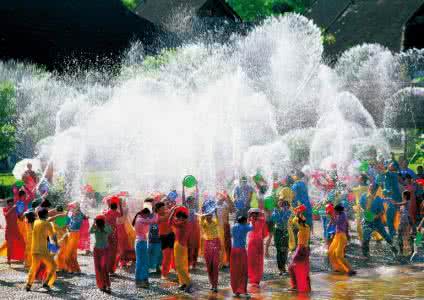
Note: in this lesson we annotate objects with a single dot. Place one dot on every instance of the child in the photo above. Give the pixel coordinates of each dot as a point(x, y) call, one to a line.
point(178, 221)
point(30, 218)
point(111, 215)
point(141, 223)
point(299, 267)
point(336, 252)
point(40, 253)
point(71, 247)
point(167, 238)
point(224, 207)
point(418, 243)
point(154, 246)
point(101, 233)
point(238, 260)
point(280, 217)
point(210, 231)
point(255, 247)
point(13, 236)
point(194, 241)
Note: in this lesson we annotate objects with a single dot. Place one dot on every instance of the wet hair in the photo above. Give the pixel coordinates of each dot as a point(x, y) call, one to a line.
point(43, 213)
point(181, 215)
point(339, 208)
point(145, 211)
point(9, 200)
point(45, 203)
point(159, 205)
point(300, 174)
point(30, 216)
point(113, 206)
point(364, 178)
point(241, 219)
point(149, 200)
point(59, 208)
point(100, 223)
point(21, 193)
point(407, 195)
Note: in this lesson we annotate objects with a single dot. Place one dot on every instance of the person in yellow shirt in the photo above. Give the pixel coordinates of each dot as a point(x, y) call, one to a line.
point(40, 254)
point(210, 230)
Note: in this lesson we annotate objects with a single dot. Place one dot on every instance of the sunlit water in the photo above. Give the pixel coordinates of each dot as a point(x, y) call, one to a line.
point(404, 282)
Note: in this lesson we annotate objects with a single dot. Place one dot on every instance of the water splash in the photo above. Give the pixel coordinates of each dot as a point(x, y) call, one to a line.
point(264, 101)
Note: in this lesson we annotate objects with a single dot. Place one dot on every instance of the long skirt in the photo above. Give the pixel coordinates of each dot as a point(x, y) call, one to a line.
point(212, 253)
point(84, 241)
point(113, 251)
point(336, 253)
point(101, 267)
point(71, 256)
point(126, 251)
point(181, 263)
point(299, 270)
point(238, 270)
point(255, 264)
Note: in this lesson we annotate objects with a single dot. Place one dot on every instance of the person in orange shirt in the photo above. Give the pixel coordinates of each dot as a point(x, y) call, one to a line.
point(40, 254)
point(179, 222)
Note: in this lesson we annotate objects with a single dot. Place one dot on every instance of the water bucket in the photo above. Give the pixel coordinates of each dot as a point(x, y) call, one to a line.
point(19, 183)
point(61, 221)
point(20, 207)
point(52, 248)
point(189, 181)
point(418, 238)
point(369, 216)
point(269, 203)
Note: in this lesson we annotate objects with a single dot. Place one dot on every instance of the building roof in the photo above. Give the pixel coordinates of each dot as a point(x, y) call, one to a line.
point(166, 12)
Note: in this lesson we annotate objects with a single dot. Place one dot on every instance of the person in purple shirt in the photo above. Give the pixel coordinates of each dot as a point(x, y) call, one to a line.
point(336, 251)
point(238, 260)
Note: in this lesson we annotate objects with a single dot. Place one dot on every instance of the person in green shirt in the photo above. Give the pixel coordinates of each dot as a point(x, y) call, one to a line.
point(101, 232)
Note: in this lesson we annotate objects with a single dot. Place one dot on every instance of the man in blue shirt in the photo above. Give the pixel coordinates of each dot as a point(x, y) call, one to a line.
point(280, 217)
point(301, 197)
point(373, 208)
point(242, 197)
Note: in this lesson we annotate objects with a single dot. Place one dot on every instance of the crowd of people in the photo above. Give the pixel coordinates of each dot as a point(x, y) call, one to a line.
point(230, 230)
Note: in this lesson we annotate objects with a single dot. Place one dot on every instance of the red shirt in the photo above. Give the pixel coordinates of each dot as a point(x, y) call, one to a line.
point(163, 222)
point(180, 229)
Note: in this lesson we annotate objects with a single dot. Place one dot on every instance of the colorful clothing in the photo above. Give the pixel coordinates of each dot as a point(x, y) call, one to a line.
point(14, 239)
point(100, 255)
point(210, 232)
point(238, 270)
point(280, 217)
point(301, 197)
point(111, 218)
point(299, 267)
point(40, 253)
point(255, 251)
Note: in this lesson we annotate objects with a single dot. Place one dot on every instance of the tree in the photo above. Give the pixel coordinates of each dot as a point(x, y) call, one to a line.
point(8, 117)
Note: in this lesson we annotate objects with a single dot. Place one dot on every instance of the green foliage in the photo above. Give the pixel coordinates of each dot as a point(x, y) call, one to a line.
point(8, 115)
point(251, 10)
point(155, 62)
point(130, 4)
